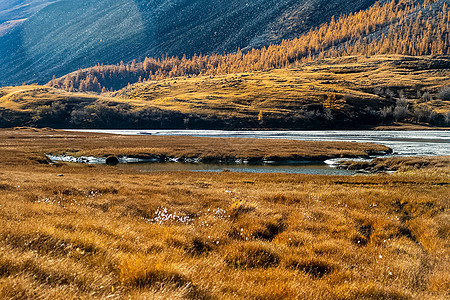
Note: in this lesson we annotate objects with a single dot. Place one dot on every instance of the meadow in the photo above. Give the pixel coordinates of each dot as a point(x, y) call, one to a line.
point(76, 231)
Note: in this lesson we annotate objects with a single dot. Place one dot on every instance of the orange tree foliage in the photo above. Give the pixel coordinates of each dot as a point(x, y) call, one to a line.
point(405, 27)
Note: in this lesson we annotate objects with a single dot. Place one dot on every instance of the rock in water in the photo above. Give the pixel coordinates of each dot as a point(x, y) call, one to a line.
point(112, 160)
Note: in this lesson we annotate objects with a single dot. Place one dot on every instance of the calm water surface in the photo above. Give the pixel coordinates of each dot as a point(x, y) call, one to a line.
point(317, 169)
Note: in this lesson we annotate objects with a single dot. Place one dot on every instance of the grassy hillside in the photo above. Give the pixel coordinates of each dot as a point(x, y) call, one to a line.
point(349, 92)
point(341, 86)
point(94, 232)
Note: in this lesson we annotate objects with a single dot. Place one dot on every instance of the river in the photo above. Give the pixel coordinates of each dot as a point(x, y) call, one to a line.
point(403, 143)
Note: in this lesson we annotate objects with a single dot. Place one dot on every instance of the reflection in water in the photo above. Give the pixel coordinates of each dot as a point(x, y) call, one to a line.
point(152, 165)
point(318, 169)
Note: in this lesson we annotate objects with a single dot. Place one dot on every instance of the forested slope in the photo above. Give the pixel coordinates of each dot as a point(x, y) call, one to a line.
point(406, 27)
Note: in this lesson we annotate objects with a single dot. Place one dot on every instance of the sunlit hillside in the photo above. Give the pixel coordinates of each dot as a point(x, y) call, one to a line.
point(349, 92)
point(341, 87)
point(389, 63)
point(407, 27)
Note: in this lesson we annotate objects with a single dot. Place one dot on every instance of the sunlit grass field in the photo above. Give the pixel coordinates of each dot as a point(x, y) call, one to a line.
point(97, 232)
point(354, 81)
point(347, 84)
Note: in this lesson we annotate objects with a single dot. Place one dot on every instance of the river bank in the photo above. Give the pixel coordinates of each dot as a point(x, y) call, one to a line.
point(393, 164)
point(183, 148)
point(403, 143)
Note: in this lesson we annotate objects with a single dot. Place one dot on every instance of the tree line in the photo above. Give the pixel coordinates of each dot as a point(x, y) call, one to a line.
point(405, 27)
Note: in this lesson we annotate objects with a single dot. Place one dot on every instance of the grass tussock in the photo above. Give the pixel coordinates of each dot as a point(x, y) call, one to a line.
point(139, 272)
point(101, 232)
point(316, 268)
point(251, 255)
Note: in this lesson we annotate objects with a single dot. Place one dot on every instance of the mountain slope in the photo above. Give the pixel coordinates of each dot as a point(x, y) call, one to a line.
point(68, 35)
point(406, 28)
point(15, 12)
point(21, 9)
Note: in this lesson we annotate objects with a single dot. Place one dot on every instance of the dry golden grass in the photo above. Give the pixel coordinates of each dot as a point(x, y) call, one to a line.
point(401, 126)
point(27, 97)
point(398, 164)
point(346, 84)
point(99, 232)
point(355, 81)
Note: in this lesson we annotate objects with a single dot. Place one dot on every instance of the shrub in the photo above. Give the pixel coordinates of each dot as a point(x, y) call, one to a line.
point(444, 93)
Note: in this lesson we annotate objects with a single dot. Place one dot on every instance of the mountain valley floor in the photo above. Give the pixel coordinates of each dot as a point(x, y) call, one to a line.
point(78, 231)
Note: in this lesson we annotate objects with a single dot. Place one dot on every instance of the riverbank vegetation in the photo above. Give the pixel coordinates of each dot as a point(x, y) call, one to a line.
point(96, 232)
point(392, 164)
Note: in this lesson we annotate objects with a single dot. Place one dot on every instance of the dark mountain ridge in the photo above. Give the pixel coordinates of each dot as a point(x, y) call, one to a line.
point(62, 36)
